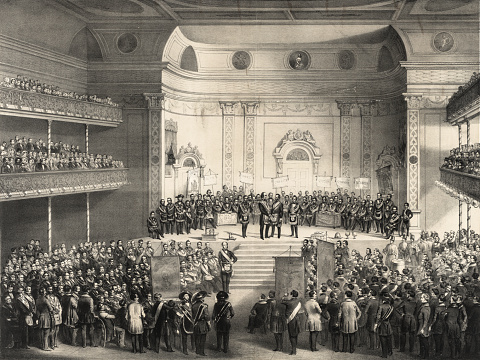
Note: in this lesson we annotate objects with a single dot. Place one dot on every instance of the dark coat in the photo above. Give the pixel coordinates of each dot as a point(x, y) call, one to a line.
point(69, 310)
point(294, 326)
point(201, 318)
point(473, 325)
point(85, 309)
point(384, 314)
point(222, 313)
point(371, 311)
point(333, 308)
point(276, 316)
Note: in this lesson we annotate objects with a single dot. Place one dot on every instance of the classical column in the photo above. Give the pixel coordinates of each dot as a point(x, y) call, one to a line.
point(345, 121)
point(156, 145)
point(49, 224)
point(49, 137)
point(228, 114)
point(460, 204)
point(88, 217)
point(87, 148)
point(468, 205)
point(366, 111)
point(250, 115)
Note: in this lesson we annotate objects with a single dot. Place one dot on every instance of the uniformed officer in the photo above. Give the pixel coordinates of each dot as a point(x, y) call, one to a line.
point(382, 325)
point(226, 258)
point(264, 214)
point(277, 318)
point(201, 321)
point(244, 215)
point(179, 214)
point(170, 208)
point(293, 210)
point(222, 313)
point(186, 324)
point(277, 216)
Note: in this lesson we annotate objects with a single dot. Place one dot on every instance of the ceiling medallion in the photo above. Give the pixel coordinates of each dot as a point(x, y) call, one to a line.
point(127, 43)
point(443, 42)
point(346, 59)
point(241, 60)
point(299, 60)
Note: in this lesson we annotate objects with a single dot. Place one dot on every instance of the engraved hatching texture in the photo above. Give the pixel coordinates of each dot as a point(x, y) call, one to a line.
point(228, 123)
point(249, 144)
point(346, 145)
point(413, 186)
point(154, 159)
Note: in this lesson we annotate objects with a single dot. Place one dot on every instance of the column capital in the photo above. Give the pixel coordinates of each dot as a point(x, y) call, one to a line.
point(414, 100)
point(155, 100)
point(345, 107)
point(228, 107)
point(250, 108)
point(423, 101)
point(366, 108)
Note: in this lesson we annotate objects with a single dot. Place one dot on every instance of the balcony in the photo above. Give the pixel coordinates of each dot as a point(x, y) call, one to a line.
point(55, 183)
point(21, 103)
point(462, 183)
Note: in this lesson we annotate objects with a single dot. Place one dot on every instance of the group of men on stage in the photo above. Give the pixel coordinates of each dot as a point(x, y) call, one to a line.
point(271, 211)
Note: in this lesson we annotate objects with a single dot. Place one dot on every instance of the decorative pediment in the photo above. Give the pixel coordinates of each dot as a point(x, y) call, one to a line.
point(190, 156)
point(297, 135)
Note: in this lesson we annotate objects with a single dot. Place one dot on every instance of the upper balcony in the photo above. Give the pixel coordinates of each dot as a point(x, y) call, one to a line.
point(20, 186)
point(462, 183)
point(21, 103)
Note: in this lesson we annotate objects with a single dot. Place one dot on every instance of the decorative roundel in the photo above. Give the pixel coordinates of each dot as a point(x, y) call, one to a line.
point(443, 42)
point(299, 60)
point(127, 43)
point(346, 59)
point(241, 60)
point(413, 159)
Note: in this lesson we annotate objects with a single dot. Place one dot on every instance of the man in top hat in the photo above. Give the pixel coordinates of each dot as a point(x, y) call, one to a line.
point(226, 259)
point(186, 324)
point(222, 313)
point(201, 321)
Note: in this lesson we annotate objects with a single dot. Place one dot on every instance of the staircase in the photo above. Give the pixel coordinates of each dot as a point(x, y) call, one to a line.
point(255, 265)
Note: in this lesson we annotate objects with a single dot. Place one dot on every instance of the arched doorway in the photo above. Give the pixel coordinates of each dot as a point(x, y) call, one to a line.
point(297, 156)
point(188, 170)
point(298, 166)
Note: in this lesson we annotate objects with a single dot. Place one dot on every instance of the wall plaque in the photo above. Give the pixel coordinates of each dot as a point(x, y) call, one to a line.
point(443, 42)
point(127, 43)
point(346, 60)
point(299, 60)
point(241, 60)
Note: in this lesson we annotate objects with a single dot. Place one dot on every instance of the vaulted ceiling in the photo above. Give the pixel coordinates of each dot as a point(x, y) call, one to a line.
point(271, 11)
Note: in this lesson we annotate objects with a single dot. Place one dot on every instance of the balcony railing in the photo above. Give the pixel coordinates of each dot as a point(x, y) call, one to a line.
point(41, 106)
point(464, 183)
point(54, 183)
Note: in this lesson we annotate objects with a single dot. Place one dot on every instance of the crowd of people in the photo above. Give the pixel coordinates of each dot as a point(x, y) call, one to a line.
point(92, 286)
point(23, 83)
point(272, 211)
point(23, 155)
point(466, 160)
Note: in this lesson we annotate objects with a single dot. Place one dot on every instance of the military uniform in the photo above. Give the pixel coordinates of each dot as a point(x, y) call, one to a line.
point(244, 215)
point(222, 313)
point(170, 207)
point(201, 322)
point(226, 259)
point(293, 211)
point(293, 307)
point(276, 217)
point(383, 327)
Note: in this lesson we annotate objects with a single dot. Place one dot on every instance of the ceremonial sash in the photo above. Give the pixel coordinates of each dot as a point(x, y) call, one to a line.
point(225, 255)
point(157, 313)
point(198, 314)
point(186, 315)
point(389, 312)
point(222, 312)
point(294, 313)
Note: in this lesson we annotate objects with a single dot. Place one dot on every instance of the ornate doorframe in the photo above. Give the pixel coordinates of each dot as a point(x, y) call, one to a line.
point(184, 154)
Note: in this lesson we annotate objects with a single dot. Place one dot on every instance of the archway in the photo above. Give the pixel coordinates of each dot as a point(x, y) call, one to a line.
point(297, 156)
point(188, 170)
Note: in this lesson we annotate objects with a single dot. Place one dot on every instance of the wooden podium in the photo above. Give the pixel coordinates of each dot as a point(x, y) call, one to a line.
point(325, 261)
point(289, 275)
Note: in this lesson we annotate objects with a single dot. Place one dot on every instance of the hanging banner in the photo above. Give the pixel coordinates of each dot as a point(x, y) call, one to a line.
point(362, 183)
point(246, 178)
point(280, 182)
point(210, 179)
point(324, 181)
point(343, 183)
point(193, 182)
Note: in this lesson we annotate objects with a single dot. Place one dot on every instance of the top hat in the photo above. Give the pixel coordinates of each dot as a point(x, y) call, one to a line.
point(199, 296)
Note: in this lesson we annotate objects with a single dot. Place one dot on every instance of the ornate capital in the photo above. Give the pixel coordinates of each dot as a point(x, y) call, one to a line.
point(250, 108)
point(228, 107)
point(345, 107)
point(367, 108)
point(155, 100)
point(414, 101)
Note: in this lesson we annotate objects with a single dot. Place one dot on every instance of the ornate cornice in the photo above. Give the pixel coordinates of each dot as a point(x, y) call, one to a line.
point(44, 184)
point(422, 101)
